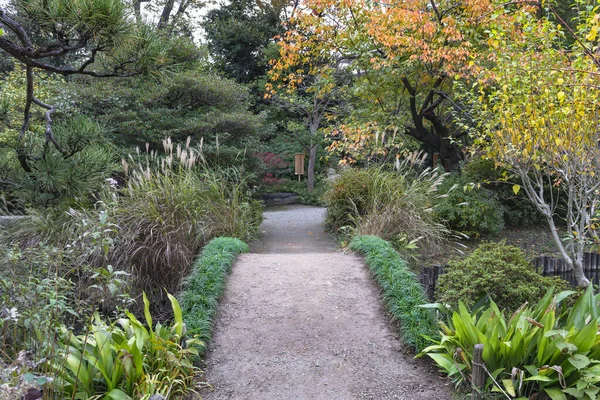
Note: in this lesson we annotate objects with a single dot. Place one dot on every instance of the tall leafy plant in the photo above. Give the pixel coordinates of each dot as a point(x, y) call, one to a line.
point(546, 350)
point(131, 360)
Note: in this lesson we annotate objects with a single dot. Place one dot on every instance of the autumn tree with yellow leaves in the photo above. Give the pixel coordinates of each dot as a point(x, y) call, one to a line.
point(539, 119)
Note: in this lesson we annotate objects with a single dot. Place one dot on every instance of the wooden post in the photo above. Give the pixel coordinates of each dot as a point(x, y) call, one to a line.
point(543, 262)
point(479, 375)
point(594, 267)
point(587, 263)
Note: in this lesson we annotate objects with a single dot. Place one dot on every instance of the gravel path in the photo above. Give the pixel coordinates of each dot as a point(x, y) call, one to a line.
point(301, 320)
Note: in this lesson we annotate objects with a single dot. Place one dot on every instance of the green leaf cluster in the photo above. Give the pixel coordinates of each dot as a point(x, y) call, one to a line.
point(468, 208)
point(189, 103)
point(543, 350)
point(126, 361)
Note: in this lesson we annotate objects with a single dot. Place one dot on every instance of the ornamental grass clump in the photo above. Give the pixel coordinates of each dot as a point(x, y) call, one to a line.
point(172, 205)
point(152, 227)
point(394, 204)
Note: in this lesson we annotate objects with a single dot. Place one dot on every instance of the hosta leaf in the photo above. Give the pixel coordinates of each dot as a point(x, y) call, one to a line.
point(585, 338)
point(566, 347)
point(574, 392)
point(532, 369)
point(563, 295)
point(117, 394)
point(540, 378)
point(148, 315)
point(445, 362)
point(496, 372)
point(178, 316)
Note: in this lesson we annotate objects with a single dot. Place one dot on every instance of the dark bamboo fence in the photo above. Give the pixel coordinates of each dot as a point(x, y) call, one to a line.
point(546, 266)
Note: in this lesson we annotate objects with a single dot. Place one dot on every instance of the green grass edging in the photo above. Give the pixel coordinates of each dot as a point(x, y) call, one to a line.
point(402, 291)
point(205, 285)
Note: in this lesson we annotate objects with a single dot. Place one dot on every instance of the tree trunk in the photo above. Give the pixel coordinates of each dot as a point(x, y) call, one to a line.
point(312, 160)
point(450, 154)
point(577, 266)
point(582, 280)
point(166, 14)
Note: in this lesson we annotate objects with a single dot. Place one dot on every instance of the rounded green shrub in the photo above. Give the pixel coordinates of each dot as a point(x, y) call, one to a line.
point(498, 270)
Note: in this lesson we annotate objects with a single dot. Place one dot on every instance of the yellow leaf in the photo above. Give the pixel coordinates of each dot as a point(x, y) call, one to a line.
point(561, 96)
point(516, 189)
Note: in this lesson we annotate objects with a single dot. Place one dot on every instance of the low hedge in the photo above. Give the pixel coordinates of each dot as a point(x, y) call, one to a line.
point(205, 285)
point(402, 291)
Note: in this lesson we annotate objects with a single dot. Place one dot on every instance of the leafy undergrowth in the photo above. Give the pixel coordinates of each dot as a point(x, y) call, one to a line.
point(401, 289)
point(546, 350)
point(205, 285)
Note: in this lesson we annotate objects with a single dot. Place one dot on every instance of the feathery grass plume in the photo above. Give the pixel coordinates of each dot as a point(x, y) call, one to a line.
point(396, 205)
point(169, 208)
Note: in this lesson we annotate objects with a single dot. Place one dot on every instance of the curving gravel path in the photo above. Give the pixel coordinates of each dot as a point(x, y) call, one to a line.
point(302, 320)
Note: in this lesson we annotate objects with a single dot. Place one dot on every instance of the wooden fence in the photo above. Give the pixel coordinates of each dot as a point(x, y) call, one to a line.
point(547, 266)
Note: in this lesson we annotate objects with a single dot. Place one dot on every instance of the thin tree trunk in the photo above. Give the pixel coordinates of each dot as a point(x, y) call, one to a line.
point(312, 160)
point(577, 266)
point(166, 14)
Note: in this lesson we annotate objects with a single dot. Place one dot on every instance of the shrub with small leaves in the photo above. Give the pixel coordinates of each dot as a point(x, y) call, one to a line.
point(469, 208)
point(498, 270)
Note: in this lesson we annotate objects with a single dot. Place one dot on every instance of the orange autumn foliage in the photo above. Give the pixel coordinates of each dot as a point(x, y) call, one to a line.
point(409, 49)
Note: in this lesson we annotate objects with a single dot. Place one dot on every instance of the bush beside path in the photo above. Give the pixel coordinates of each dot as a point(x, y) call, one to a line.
point(305, 321)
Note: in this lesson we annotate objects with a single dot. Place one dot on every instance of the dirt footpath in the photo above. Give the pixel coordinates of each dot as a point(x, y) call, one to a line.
point(301, 320)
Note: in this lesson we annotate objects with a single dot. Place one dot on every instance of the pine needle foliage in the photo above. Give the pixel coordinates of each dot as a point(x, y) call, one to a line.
point(401, 290)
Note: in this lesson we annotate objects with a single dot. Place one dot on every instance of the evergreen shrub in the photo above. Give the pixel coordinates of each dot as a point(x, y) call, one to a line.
point(499, 271)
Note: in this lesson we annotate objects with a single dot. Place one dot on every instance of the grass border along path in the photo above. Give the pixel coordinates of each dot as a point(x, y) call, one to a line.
point(206, 284)
point(402, 291)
